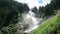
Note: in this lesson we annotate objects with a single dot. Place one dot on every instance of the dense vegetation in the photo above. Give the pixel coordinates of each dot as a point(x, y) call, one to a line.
point(9, 10)
point(50, 26)
point(48, 10)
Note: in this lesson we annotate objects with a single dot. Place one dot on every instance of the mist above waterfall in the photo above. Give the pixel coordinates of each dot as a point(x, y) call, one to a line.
point(32, 20)
point(29, 22)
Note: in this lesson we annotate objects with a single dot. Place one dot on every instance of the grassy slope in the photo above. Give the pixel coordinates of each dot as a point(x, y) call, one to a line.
point(49, 26)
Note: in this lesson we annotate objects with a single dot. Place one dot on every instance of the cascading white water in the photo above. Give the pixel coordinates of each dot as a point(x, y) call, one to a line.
point(32, 20)
point(29, 21)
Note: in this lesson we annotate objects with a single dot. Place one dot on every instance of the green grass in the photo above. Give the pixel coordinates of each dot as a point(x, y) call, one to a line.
point(49, 26)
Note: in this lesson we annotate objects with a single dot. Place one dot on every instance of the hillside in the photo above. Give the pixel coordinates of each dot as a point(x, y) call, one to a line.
point(9, 11)
point(50, 26)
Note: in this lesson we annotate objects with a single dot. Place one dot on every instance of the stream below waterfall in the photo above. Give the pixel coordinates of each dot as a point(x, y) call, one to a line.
point(28, 23)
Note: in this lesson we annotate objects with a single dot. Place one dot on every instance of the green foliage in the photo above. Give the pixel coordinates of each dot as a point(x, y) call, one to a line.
point(8, 15)
point(42, 11)
point(9, 30)
point(48, 10)
point(9, 10)
point(51, 26)
point(34, 9)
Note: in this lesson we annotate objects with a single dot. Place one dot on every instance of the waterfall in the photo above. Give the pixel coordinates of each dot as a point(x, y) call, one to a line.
point(29, 22)
point(33, 22)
